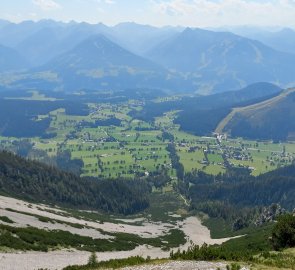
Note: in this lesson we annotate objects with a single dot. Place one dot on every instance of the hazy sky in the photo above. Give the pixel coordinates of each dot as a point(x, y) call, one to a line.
point(196, 13)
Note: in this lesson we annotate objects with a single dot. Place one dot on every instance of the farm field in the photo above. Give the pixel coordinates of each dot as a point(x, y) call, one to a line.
point(109, 142)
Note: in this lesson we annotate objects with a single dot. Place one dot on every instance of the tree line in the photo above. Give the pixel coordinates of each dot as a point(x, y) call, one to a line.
point(34, 181)
point(236, 194)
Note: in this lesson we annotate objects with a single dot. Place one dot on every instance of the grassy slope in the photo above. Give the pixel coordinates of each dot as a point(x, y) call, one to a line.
point(248, 109)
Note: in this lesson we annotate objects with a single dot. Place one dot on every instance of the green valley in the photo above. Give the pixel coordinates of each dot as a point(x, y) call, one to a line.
point(109, 142)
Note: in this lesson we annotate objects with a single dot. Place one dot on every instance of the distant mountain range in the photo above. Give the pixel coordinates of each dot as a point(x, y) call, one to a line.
point(71, 56)
point(141, 38)
point(98, 62)
point(216, 61)
point(279, 39)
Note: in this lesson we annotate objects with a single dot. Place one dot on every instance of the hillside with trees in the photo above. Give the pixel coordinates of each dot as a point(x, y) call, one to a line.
point(272, 119)
point(238, 196)
point(33, 181)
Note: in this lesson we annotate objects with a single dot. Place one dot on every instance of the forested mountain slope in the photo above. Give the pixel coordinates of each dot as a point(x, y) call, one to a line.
point(238, 193)
point(271, 119)
point(208, 111)
point(34, 181)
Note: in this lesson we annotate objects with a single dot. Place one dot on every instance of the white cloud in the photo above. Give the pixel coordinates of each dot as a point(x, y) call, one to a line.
point(18, 17)
point(174, 8)
point(46, 4)
point(108, 2)
point(227, 12)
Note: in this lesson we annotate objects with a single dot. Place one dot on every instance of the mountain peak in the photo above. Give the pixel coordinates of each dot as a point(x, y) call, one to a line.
point(98, 62)
point(222, 56)
point(188, 30)
point(287, 31)
point(133, 24)
point(97, 44)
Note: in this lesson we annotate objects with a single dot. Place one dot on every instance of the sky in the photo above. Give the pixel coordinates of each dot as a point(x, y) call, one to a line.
point(193, 13)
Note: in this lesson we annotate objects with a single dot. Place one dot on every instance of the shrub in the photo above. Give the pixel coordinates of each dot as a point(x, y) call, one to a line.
point(283, 234)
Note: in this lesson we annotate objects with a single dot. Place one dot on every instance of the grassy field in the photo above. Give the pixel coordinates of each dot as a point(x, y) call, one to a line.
point(136, 147)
